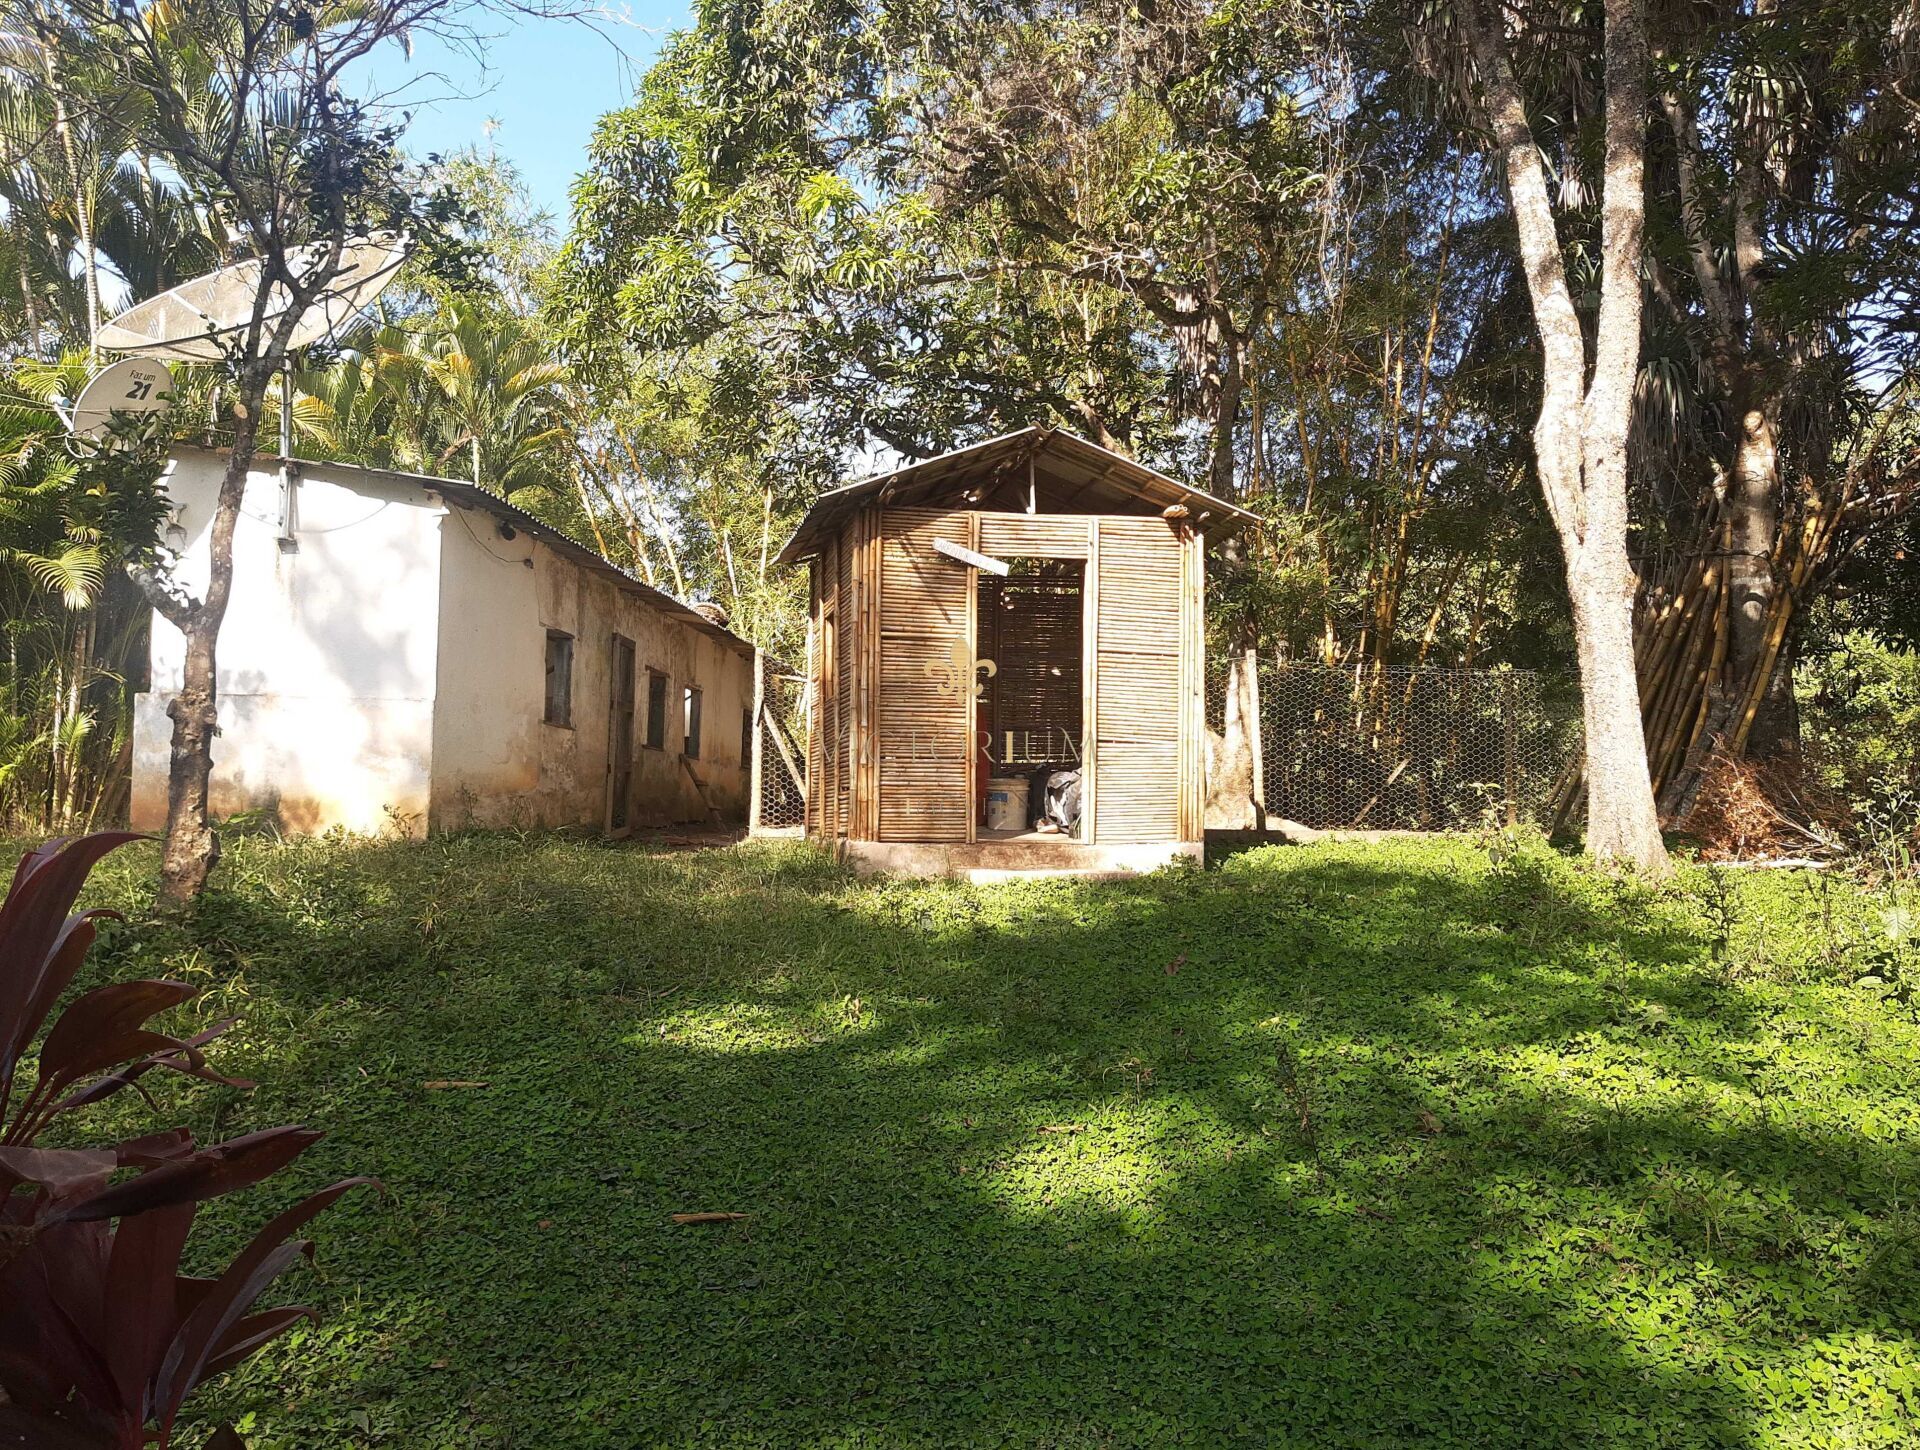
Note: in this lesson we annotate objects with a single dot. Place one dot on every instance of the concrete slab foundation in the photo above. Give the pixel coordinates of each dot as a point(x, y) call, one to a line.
point(983, 862)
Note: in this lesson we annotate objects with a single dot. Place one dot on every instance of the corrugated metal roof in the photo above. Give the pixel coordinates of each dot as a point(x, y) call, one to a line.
point(467, 495)
point(1095, 475)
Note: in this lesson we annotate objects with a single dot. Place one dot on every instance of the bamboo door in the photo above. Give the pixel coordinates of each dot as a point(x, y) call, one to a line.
point(924, 708)
point(1139, 695)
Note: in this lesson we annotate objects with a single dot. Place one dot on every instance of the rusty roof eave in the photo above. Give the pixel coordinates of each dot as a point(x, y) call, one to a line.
point(1150, 485)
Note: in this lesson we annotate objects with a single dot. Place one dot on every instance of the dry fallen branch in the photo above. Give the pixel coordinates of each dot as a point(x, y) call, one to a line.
point(708, 1217)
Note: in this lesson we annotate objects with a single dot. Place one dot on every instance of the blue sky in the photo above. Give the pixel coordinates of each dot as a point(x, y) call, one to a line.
point(544, 82)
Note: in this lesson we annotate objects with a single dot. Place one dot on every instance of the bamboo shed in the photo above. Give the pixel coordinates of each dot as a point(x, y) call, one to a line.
point(1017, 611)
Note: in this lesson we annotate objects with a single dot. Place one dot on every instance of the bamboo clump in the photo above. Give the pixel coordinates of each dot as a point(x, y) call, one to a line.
point(1691, 704)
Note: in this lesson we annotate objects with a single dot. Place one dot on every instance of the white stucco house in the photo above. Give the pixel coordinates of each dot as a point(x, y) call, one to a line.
point(411, 653)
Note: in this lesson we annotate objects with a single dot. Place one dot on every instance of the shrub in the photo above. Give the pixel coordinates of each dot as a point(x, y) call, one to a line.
point(101, 1337)
point(1861, 720)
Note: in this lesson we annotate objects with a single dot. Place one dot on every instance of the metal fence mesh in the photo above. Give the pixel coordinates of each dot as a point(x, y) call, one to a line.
point(1394, 749)
point(1407, 749)
point(783, 745)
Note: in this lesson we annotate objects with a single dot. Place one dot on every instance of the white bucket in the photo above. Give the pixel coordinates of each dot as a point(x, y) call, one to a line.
point(1007, 803)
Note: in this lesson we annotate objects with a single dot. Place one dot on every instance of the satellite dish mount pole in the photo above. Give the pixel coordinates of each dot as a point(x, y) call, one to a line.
point(288, 480)
point(224, 304)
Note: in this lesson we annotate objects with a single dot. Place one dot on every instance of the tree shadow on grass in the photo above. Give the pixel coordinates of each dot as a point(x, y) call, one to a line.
point(1324, 1148)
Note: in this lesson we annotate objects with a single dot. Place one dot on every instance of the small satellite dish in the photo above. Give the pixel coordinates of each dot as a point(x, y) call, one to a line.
point(135, 386)
point(199, 321)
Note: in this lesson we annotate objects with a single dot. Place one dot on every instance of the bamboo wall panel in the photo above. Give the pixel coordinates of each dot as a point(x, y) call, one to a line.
point(1193, 718)
point(1033, 536)
point(924, 592)
point(816, 678)
point(866, 820)
point(833, 696)
point(1140, 686)
point(923, 734)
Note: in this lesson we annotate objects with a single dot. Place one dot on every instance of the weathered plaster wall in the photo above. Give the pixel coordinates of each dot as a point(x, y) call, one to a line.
point(327, 656)
point(495, 760)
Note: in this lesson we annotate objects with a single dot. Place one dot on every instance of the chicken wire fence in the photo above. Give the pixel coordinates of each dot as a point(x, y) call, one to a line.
point(782, 748)
point(1407, 749)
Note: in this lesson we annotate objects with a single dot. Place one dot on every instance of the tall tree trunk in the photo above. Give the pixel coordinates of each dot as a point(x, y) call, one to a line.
point(80, 655)
point(1229, 387)
point(56, 752)
point(29, 303)
point(1719, 636)
point(192, 847)
point(653, 514)
point(1580, 439)
point(1234, 768)
point(1754, 519)
point(81, 197)
point(1234, 786)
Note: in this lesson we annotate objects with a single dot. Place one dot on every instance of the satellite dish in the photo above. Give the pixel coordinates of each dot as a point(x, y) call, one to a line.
point(199, 321)
point(136, 386)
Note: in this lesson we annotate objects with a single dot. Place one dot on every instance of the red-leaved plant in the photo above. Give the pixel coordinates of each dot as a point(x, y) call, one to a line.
point(101, 1336)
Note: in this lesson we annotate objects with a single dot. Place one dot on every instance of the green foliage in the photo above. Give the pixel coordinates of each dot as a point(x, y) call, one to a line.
point(468, 391)
point(1861, 717)
point(100, 1334)
point(1344, 1145)
point(71, 518)
point(931, 223)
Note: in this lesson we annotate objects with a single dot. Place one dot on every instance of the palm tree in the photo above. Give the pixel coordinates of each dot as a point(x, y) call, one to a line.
point(469, 393)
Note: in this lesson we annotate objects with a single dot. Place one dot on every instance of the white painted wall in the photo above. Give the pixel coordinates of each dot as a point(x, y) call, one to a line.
point(390, 672)
point(326, 659)
point(491, 682)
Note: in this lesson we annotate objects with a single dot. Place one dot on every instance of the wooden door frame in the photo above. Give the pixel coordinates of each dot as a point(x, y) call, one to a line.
point(1090, 683)
point(969, 701)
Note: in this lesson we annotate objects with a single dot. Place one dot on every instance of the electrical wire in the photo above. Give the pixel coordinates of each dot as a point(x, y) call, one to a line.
point(334, 529)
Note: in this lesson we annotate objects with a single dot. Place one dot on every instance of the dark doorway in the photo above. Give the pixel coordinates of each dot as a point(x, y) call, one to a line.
point(1031, 625)
point(620, 739)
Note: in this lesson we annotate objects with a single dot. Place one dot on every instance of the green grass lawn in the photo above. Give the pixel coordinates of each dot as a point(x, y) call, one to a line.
point(1328, 1146)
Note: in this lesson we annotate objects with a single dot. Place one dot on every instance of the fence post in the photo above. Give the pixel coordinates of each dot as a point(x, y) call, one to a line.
point(755, 769)
point(1510, 763)
point(1256, 737)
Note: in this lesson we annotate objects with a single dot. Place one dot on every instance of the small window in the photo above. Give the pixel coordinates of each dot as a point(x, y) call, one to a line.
point(656, 710)
point(559, 678)
point(746, 737)
point(693, 723)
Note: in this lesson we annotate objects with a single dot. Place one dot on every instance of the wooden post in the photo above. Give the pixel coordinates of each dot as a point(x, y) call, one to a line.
point(970, 710)
point(1090, 686)
point(758, 735)
point(1256, 738)
point(856, 539)
point(1509, 751)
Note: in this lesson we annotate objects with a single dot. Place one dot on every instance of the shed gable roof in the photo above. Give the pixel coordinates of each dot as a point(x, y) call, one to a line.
point(1067, 474)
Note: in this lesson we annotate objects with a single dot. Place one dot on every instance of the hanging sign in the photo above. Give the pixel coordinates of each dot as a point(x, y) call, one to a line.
point(964, 555)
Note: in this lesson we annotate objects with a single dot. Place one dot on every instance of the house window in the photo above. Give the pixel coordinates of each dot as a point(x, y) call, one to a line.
point(559, 678)
point(693, 723)
point(656, 710)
